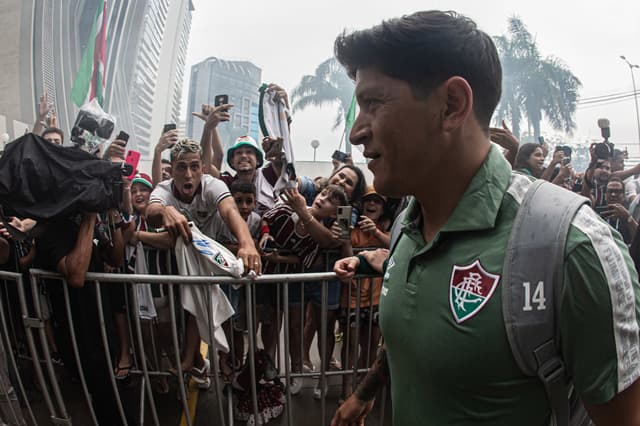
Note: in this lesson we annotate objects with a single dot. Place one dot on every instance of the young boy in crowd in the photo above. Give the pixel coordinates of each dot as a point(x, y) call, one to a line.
point(289, 231)
point(370, 232)
point(244, 194)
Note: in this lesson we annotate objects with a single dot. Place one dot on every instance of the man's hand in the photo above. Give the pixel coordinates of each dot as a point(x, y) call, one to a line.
point(280, 93)
point(212, 116)
point(504, 137)
point(376, 258)
point(250, 258)
point(44, 107)
point(166, 141)
point(117, 150)
point(565, 171)
point(52, 119)
point(176, 224)
point(557, 158)
point(352, 412)
point(13, 222)
point(272, 148)
point(346, 268)
point(616, 210)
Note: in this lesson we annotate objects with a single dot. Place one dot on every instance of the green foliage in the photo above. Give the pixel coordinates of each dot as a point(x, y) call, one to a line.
point(328, 85)
point(533, 85)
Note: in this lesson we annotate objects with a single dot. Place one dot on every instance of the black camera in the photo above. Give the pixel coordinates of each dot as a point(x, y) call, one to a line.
point(566, 150)
point(603, 150)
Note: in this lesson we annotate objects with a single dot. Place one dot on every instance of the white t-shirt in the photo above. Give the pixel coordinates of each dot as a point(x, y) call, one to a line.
point(223, 235)
point(201, 210)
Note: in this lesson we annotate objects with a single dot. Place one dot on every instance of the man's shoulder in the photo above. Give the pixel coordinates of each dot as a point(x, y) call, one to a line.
point(215, 187)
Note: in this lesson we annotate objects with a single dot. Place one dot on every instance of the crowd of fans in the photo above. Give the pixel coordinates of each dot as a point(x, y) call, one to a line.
point(289, 232)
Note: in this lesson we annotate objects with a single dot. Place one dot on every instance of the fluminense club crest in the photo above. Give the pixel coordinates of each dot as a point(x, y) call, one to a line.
point(470, 289)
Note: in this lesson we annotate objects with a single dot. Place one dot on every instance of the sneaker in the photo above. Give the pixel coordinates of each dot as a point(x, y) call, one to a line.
point(317, 392)
point(201, 375)
point(204, 385)
point(308, 367)
point(296, 385)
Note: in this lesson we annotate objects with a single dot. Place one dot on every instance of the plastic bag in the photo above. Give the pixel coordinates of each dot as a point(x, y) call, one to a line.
point(93, 127)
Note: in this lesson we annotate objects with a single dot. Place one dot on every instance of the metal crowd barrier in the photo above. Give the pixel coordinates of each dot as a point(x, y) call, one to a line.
point(38, 352)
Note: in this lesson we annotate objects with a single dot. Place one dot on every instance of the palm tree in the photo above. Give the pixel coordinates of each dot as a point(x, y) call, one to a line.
point(533, 85)
point(329, 84)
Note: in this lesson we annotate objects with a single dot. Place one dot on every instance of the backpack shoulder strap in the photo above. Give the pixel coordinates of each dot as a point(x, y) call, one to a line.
point(532, 284)
point(396, 229)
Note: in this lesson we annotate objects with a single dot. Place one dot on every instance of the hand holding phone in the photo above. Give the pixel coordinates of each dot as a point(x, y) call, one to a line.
point(167, 127)
point(167, 140)
point(339, 156)
point(123, 136)
point(133, 158)
point(221, 100)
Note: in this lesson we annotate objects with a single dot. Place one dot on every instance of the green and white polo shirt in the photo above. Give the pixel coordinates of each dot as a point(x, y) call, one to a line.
point(448, 352)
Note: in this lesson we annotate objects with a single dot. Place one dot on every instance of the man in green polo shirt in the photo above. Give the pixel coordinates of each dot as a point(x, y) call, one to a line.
point(427, 85)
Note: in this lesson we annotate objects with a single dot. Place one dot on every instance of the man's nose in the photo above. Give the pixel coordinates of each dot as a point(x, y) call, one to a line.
point(360, 132)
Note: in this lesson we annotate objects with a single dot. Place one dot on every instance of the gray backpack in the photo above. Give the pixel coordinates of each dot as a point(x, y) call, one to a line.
point(532, 282)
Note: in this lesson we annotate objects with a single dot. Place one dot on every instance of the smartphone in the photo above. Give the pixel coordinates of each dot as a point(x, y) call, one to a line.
point(133, 158)
point(123, 136)
point(566, 160)
point(601, 209)
point(541, 140)
point(221, 100)
point(339, 156)
point(167, 127)
point(344, 221)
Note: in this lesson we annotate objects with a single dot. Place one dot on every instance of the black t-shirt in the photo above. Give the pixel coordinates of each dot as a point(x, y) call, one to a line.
point(57, 240)
point(11, 264)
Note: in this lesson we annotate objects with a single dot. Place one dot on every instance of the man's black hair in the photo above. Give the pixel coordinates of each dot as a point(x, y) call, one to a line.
point(48, 130)
point(242, 187)
point(425, 49)
point(165, 161)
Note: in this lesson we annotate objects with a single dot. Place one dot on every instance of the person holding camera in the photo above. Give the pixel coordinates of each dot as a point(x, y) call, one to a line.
point(616, 212)
point(594, 181)
point(447, 355)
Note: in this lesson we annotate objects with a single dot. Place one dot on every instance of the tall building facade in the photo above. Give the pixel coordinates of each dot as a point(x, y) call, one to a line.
point(240, 80)
point(43, 44)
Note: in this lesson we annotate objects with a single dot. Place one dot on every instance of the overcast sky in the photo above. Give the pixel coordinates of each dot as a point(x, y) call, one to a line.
point(288, 39)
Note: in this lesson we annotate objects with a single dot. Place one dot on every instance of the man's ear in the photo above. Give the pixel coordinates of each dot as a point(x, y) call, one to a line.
point(459, 103)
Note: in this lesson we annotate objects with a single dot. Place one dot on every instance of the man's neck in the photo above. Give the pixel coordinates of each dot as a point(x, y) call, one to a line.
point(438, 200)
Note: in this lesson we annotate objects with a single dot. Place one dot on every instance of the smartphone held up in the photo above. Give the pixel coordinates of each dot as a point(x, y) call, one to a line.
point(343, 220)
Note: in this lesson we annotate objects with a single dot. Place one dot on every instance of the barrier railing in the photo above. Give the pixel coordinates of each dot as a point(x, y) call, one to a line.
point(145, 350)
